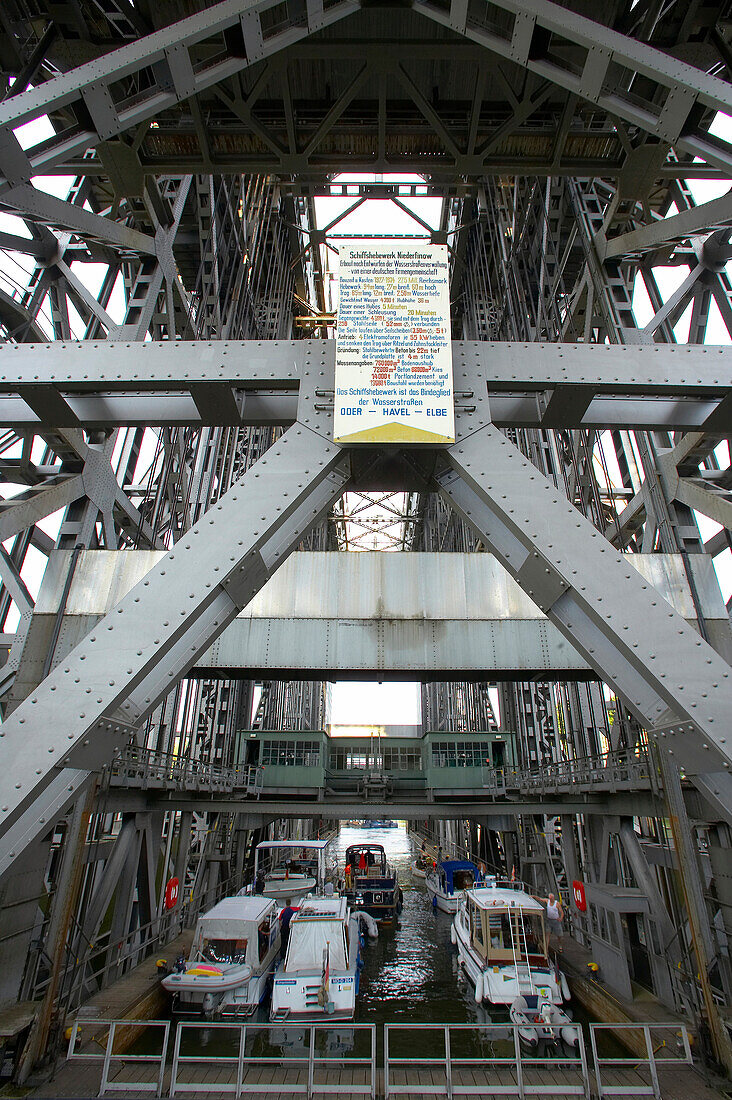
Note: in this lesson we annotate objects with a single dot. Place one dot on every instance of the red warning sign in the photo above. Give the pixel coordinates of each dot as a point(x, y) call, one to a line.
point(171, 893)
point(578, 893)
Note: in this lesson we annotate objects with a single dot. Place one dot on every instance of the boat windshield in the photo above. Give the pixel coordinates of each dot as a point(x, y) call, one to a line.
point(233, 952)
point(508, 932)
point(310, 939)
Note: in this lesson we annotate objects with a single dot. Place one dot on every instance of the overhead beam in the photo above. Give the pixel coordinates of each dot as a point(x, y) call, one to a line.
point(98, 384)
point(91, 88)
point(433, 616)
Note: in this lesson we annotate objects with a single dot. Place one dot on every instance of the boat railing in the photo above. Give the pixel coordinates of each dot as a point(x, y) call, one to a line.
point(319, 1073)
point(653, 1045)
point(503, 1066)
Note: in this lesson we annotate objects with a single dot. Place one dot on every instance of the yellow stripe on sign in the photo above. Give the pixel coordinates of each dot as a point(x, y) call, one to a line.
point(394, 432)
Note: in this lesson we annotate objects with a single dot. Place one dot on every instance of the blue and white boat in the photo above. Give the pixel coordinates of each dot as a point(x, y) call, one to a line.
point(447, 882)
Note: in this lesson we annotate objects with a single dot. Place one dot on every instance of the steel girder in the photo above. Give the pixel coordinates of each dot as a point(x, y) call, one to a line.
point(88, 707)
point(601, 70)
point(101, 384)
point(668, 676)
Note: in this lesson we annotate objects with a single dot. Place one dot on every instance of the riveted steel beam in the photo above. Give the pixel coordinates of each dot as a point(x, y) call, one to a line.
point(667, 674)
point(88, 707)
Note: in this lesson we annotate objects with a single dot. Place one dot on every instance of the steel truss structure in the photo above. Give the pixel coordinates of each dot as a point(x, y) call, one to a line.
point(166, 383)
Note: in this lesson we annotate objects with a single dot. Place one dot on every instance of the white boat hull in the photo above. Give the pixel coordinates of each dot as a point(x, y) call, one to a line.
point(418, 872)
point(502, 985)
point(298, 995)
point(446, 903)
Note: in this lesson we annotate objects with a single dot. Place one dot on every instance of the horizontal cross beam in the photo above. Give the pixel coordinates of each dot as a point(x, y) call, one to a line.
point(106, 383)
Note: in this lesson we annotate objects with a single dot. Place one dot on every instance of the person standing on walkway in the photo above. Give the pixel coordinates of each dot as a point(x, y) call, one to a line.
point(554, 918)
point(285, 917)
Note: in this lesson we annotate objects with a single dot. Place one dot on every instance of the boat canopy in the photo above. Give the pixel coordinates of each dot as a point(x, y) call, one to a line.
point(317, 927)
point(316, 845)
point(372, 854)
point(234, 918)
point(493, 897)
point(455, 870)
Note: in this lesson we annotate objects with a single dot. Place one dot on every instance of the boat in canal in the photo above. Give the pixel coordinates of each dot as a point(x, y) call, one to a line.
point(420, 866)
point(233, 956)
point(319, 977)
point(501, 940)
point(291, 869)
point(370, 884)
point(448, 881)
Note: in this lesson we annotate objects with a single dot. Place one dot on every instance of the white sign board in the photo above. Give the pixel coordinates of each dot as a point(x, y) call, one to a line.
point(393, 374)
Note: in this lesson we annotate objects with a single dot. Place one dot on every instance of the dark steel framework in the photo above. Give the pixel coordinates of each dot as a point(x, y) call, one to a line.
point(198, 138)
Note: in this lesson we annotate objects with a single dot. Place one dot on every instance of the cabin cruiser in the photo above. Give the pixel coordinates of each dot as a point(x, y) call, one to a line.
point(291, 869)
point(319, 976)
point(502, 945)
point(370, 883)
point(233, 956)
point(447, 882)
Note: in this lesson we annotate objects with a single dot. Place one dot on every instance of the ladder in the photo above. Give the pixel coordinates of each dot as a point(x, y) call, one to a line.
point(524, 976)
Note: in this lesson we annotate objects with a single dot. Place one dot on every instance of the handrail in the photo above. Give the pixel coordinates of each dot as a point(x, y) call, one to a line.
point(651, 1061)
point(108, 1057)
point(495, 1083)
point(168, 768)
point(620, 766)
point(311, 1060)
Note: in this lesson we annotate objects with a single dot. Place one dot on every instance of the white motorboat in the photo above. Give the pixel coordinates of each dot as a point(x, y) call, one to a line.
point(233, 956)
point(291, 869)
point(502, 945)
point(447, 883)
point(319, 976)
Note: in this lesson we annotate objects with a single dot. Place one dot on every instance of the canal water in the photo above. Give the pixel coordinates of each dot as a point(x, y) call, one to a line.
point(410, 973)
point(410, 977)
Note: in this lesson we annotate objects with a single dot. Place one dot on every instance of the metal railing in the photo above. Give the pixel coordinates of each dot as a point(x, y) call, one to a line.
point(504, 1069)
point(624, 768)
point(149, 768)
point(109, 1057)
point(243, 1062)
point(653, 1059)
point(316, 1059)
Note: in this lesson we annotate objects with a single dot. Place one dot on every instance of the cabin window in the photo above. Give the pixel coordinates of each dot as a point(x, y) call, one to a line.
point(476, 928)
point(461, 754)
point(233, 952)
point(403, 760)
point(290, 754)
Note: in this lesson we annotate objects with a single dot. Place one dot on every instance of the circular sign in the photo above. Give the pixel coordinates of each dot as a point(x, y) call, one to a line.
point(171, 893)
point(578, 893)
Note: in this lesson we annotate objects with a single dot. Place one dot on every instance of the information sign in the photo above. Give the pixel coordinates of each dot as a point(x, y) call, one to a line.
point(393, 376)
